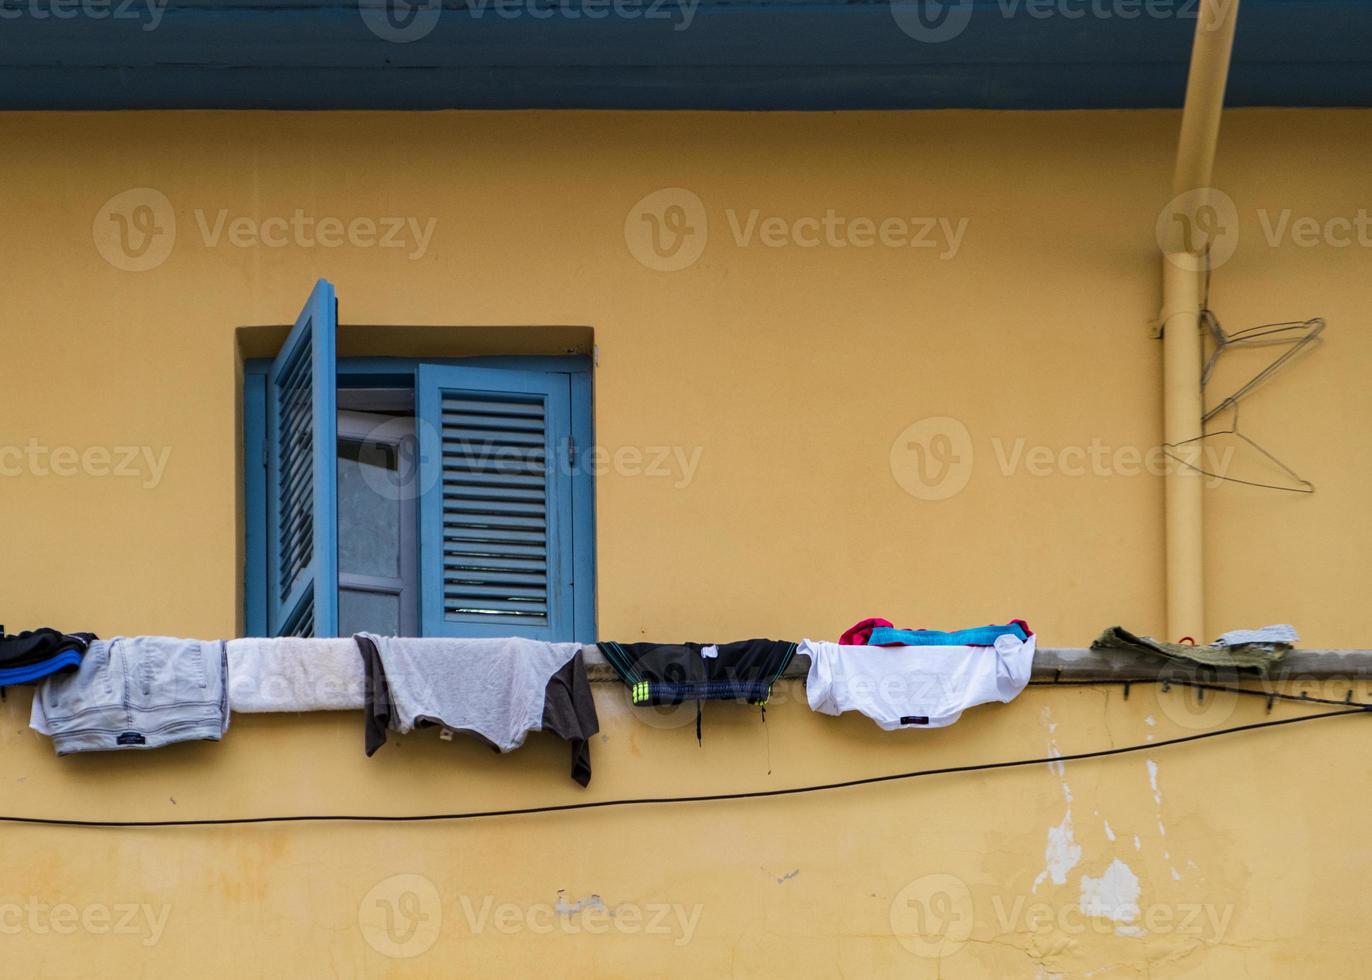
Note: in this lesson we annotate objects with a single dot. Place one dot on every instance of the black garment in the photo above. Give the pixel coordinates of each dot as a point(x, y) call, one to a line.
point(670, 673)
point(35, 646)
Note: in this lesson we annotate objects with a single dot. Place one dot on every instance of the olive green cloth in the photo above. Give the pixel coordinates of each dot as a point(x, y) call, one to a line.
point(1249, 656)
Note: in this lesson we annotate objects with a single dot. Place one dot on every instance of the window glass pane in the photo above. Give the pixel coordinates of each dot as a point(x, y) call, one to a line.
point(373, 612)
point(368, 509)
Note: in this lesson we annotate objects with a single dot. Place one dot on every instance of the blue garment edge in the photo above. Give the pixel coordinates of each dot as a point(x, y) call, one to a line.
point(33, 672)
point(977, 636)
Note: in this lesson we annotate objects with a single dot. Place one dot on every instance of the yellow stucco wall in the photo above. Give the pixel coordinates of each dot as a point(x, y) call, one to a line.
point(790, 375)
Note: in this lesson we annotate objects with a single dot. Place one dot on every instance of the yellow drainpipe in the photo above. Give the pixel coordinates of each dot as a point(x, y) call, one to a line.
point(1183, 275)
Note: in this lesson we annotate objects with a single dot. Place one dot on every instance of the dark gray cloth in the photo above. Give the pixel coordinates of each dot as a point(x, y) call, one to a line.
point(376, 697)
point(569, 711)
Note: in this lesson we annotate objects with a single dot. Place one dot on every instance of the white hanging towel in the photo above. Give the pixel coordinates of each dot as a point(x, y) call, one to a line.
point(295, 674)
point(915, 687)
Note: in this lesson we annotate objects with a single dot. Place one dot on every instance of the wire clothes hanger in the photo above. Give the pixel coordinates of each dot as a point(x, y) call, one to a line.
point(1305, 486)
point(1296, 335)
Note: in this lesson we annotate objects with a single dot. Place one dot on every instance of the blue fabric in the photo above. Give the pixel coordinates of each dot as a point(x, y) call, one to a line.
point(977, 636)
point(33, 672)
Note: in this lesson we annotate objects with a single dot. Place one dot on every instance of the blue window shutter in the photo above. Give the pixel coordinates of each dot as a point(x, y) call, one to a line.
point(495, 510)
point(302, 422)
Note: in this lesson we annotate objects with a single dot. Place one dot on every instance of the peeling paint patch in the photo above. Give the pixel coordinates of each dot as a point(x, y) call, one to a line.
point(563, 907)
point(1114, 895)
point(1061, 854)
point(1056, 767)
point(1153, 781)
point(1109, 831)
point(1138, 844)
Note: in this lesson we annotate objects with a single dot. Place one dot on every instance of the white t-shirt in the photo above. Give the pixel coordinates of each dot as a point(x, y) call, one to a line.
point(915, 687)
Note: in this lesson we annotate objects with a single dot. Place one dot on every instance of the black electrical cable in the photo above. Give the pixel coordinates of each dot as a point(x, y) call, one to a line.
point(641, 801)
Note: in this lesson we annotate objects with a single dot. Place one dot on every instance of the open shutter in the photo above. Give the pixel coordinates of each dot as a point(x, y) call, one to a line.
point(495, 509)
point(302, 447)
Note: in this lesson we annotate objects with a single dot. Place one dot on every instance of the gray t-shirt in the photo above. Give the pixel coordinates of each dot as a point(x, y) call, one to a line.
point(498, 690)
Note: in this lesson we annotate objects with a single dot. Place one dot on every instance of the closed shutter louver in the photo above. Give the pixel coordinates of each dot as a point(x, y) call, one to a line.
point(495, 511)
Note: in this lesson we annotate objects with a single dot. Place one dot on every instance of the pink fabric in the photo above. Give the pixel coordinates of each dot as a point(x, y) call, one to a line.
point(858, 634)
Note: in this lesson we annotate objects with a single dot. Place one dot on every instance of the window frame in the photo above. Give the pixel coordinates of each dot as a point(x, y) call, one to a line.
point(401, 372)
